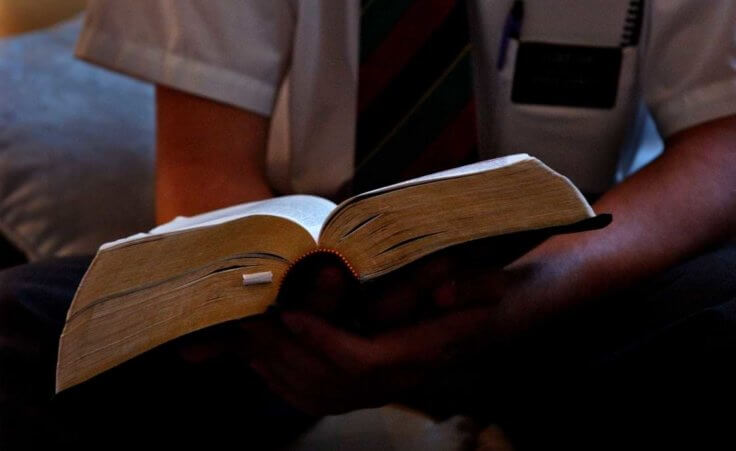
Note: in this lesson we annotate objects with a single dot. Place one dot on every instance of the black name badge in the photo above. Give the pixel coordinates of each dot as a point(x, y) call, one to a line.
point(564, 75)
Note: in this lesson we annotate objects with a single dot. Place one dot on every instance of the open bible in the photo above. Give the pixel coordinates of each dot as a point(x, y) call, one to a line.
point(192, 273)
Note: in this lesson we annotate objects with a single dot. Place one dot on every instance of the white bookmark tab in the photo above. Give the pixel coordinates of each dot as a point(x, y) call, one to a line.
point(257, 278)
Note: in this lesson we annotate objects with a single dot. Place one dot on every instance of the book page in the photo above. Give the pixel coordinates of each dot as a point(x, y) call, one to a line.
point(461, 171)
point(390, 228)
point(468, 169)
point(308, 211)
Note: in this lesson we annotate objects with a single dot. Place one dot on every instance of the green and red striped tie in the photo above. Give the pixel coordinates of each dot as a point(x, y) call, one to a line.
point(416, 112)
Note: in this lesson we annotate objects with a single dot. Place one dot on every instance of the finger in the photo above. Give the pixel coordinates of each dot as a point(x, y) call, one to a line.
point(256, 336)
point(296, 366)
point(199, 353)
point(314, 397)
point(269, 340)
point(380, 370)
point(481, 286)
point(318, 284)
point(431, 343)
point(206, 344)
point(348, 352)
point(434, 271)
point(385, 306)
point(330, 286)
point(298, 375)
point(404, 295)
point(438, 341)
point(322, 397)
point(295, 398)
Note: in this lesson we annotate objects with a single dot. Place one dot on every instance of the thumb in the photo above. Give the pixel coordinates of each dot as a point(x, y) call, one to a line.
point(329, 287)
point(318, 285)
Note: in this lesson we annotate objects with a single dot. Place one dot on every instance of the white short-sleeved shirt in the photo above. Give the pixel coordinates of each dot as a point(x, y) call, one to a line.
point(246, 52)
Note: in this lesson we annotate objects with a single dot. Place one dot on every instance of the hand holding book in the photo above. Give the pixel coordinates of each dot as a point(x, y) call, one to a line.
point(416, 325)
point(323, 369)
point(143, 291)
point(334, 345)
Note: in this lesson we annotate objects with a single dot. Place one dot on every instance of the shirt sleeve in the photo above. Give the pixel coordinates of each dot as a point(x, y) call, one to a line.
point(689, 69)
point(231, 51)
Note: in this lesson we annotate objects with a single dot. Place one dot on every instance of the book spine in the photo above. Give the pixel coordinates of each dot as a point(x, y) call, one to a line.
point(300, 277)
point(322, 251)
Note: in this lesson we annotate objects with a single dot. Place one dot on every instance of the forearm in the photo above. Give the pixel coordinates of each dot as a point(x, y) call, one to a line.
point(208, 155)
point(682, 203)
point(674, 208)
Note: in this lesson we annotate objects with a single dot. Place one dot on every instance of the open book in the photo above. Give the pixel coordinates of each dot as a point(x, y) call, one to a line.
point(191, 273)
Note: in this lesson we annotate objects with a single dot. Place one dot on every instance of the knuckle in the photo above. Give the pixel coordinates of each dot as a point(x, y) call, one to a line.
point(361, 363)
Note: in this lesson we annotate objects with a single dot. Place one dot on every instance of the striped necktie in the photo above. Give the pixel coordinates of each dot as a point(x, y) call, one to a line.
point(416, 112)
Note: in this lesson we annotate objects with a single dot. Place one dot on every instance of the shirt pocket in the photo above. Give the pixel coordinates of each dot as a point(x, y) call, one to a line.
point(582, 143)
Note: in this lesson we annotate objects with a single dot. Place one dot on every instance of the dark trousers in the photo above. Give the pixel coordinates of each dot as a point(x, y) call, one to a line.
point(157, 398)
point(649, 366)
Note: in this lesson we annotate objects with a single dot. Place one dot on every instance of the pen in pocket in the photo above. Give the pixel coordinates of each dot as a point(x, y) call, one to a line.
point(511, 30)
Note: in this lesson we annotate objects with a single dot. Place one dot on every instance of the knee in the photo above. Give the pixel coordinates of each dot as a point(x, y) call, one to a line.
point(13, 283)
point(42, 290)
point(15, 318)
